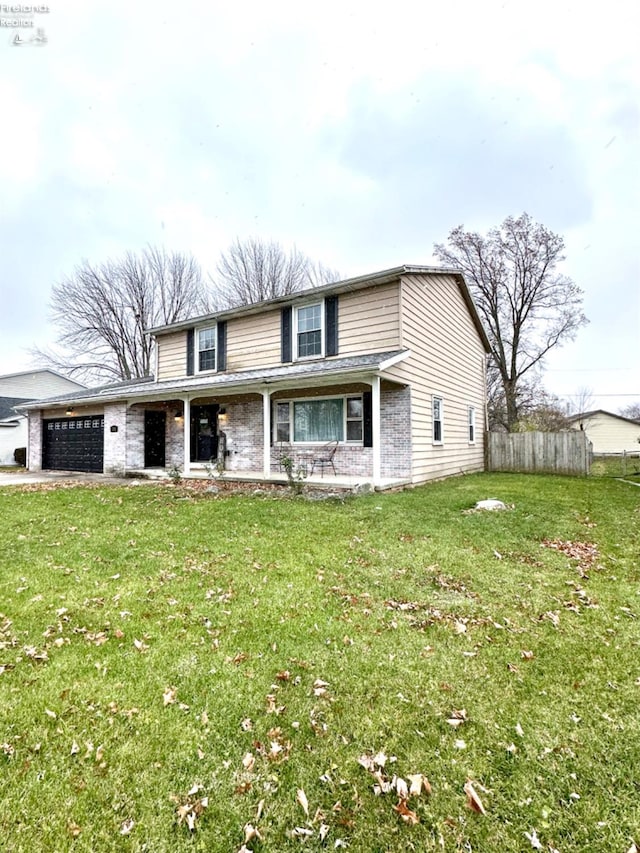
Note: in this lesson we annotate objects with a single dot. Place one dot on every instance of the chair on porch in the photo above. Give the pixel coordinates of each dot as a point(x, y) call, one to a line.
point(324, 458)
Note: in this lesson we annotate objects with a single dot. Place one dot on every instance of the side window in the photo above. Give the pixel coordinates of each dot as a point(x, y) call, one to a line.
point(437, 420)
point(283, 430)
point(472, 425)
point(354, 419)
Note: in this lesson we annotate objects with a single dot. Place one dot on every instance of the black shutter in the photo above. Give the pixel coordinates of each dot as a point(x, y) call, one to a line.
point(190, 342)
point(222, 345)
point(331, 325)
point(271, 405)
point(367, 419)
point(285, 334)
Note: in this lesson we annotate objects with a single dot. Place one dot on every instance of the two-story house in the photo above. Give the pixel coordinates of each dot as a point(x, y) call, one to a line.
point(390, 367)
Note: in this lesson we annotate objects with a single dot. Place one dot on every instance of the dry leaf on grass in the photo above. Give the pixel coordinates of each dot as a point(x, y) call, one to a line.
point(533, 839)
point(126, 826)
point(251, 832)
point(405, 813)
point(169, 696)
point(301, 797)
point(473, 800)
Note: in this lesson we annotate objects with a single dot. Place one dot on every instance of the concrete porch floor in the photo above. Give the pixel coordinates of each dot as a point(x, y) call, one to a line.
point(329, 481)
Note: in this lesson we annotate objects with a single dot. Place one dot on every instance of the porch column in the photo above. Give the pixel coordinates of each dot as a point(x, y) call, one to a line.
point(266, 432)
point(375, 427)
point(186, 465)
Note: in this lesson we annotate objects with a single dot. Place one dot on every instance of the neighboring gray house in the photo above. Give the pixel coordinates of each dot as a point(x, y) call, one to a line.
point(17, 388)
point(388, 368)
point(607, 432)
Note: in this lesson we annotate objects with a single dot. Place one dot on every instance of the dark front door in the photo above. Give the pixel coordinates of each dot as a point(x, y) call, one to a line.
point(204, 433)
point(154, 438)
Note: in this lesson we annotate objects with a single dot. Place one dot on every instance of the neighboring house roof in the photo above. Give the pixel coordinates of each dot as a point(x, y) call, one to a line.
point(349, 284)
point(584, 416)
point(7, 412)
point(34, 384)
point(147, 388)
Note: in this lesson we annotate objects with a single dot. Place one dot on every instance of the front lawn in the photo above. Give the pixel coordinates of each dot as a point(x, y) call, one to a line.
point(185, 671)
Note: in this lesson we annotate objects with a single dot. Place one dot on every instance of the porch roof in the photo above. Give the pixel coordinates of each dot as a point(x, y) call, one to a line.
point(313, 371)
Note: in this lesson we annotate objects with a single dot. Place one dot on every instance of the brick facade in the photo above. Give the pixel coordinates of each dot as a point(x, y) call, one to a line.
point(115, 438)
point(34, 460)
point(395, 432)
point(243, 431)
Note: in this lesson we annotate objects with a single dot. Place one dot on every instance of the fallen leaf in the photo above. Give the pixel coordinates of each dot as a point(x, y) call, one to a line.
point(251, 832)
point(140, 645)
point(533, 839)
point(248, 761)
point(169, 696)
point(402, 788)
point(126, 826)
point(380, 759)
point(418, 783)
point(406, 814)
point(473, 800)
point(301, 832)
point(301, 797)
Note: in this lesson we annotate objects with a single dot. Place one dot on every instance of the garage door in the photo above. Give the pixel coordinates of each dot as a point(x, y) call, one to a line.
point(73, 444)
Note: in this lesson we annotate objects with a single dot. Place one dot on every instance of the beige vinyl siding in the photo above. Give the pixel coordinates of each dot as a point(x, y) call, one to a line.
point(172, 355)
point(254, 341)
point(447, 360)
point(611, 435)
point(369, 320)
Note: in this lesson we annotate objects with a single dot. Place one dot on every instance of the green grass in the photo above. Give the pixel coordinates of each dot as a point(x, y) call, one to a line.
point(617, 466)
point(406, 605)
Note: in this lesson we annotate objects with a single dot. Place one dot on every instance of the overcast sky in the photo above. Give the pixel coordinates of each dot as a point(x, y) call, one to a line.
point(362, 134)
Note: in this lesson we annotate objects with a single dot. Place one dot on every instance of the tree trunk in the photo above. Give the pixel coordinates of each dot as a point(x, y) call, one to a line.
point(510, 393)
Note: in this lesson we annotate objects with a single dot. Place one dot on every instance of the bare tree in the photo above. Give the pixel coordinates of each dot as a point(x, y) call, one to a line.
point(528, 308)
point(253, 270)
point(632, 411)
point(582, 401)
point(101, 312)
point(546, 414)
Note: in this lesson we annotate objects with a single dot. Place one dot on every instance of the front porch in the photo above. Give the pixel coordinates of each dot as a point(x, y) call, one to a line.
point(245, 437)
point(341, 482)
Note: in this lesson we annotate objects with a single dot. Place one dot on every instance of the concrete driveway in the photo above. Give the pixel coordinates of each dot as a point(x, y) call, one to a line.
point(27, 477)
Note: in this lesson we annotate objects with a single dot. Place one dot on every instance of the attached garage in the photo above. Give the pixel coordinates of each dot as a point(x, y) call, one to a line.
point(73, 444)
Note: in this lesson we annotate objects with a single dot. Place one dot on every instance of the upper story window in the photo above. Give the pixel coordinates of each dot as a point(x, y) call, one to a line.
point(207, 348)
point(309, 330)
point(437, 420)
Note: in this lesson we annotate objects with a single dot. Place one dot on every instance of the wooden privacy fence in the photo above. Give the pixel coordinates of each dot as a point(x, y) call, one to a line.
point(539, 452)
